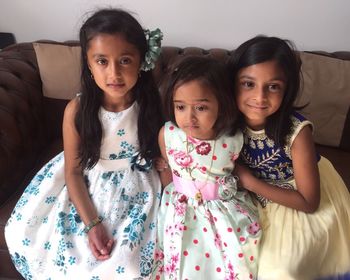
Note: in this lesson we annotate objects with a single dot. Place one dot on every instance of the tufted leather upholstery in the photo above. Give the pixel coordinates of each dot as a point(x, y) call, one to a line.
point(30, 125)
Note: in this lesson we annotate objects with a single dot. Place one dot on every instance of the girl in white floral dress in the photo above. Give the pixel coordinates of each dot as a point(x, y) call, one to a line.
point(90, 213)
point(207, 227)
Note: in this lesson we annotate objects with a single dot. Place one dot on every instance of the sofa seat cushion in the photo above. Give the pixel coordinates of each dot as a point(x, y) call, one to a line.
point(340, 160)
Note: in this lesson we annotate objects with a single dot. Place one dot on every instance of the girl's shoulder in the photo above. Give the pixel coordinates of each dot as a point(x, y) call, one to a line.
point(231, 142)
point(173, 133)
point(72, 107)
point(238, 136)
point(298, 116)
point(298, 123)
point(169, 124)
point(172, 129)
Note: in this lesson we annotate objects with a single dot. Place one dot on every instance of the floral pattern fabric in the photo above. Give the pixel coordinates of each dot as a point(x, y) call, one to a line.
point(210, 239)
point(267, 161)
point(318, 243)
point(45, 234)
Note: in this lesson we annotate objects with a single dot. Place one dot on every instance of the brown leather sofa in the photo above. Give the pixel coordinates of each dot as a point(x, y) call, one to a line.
point(30, 125)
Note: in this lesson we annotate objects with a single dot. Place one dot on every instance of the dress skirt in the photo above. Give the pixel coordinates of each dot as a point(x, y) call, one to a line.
point(45, 233)
point(298, 247)
point(215, 239)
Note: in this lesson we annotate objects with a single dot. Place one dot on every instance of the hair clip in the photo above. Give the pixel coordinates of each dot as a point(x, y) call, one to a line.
point(154, 39)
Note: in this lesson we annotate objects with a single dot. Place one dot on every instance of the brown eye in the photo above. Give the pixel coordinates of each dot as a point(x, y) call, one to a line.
point(125, 60)
point(101, 61)
point(247, 84)
point(200, 108)
point(179, 107)
point(275, 87)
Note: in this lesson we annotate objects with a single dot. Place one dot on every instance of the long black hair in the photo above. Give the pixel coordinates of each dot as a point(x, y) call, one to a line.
point(261, 49)
point(212, 73)
point(145, 91)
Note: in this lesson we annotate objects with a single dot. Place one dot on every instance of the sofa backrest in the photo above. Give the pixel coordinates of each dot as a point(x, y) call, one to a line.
point(326, 84)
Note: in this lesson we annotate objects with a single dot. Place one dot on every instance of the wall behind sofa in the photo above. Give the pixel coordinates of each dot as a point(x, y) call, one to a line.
point(311, 24)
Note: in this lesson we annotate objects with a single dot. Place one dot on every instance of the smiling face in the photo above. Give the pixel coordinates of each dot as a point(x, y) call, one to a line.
point(259, 92)
point(196, 110)
point(114, 64)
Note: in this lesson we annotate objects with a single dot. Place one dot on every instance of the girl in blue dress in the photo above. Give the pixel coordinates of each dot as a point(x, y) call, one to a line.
point(90, 213)
point(207, 226)
point(304, 204)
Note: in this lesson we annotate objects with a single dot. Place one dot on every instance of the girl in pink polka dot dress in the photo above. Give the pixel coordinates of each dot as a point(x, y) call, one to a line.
point(207, 226)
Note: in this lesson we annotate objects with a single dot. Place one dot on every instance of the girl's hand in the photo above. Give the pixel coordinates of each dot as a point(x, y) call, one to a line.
point(306, 196)
point(245, 177)
point(100, 243)
point(160, 164)
point(164, 170)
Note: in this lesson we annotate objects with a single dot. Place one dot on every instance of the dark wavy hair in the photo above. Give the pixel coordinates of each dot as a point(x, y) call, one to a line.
point(212, 73)
point(261, 49)
point(145, 91)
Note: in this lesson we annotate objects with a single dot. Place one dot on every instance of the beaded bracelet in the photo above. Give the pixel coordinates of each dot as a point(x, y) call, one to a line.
point(93, 223)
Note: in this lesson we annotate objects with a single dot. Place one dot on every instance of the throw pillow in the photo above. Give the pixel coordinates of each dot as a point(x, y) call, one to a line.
point(327, 90)
point(59, 67)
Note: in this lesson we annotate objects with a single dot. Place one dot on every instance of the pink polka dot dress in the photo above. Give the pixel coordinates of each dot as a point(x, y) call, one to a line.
point(207, 226)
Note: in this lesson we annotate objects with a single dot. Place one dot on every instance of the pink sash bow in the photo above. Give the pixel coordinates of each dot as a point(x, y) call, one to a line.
point(190, 188)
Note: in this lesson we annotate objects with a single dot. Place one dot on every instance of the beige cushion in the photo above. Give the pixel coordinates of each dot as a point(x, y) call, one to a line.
point(327, 89)
point(59, 68)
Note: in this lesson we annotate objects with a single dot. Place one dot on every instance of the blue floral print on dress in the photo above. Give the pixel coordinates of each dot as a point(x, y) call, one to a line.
point(126, 199)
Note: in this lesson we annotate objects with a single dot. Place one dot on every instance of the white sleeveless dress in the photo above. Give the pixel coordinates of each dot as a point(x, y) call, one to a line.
point(45, 233)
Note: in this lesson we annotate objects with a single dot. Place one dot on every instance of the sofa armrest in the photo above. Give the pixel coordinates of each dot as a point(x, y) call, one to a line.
point(22, 132)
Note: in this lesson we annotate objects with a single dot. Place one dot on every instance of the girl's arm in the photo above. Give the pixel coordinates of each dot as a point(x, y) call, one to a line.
point(165, 172)
point(307, 196)
point(100, 243)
